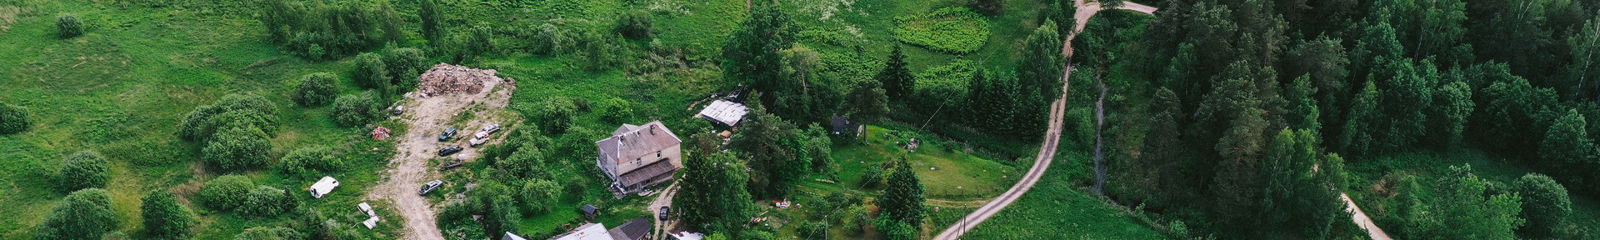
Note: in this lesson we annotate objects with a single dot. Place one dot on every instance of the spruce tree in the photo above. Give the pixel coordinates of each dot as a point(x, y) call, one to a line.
point(902, 198)
point(895, 78)
point(713, 198)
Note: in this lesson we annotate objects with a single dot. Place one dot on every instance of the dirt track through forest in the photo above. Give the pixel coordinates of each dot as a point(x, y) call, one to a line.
point(426, 118)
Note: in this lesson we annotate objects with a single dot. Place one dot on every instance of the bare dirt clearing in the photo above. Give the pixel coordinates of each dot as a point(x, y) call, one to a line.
point(426, 116)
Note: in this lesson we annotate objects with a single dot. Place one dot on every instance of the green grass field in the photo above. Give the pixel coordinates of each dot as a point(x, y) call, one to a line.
point(122, 88)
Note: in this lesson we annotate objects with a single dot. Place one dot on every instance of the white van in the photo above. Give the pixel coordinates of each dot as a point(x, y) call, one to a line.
point(322, 187)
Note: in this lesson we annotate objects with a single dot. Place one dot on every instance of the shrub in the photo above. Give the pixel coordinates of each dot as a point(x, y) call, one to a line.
point(225, 192)
point(84, 214)
point(316, 89)
point(164, 217)
point(268, 233)
point(265, 201)
point(405, 64)
point(990, 7)
point(84, 169)
point(370, 72)
point(616, 110)
point(318, 30)
point(1545, 204)
point(302, 160)
point(479, 42)
point(555, 115)
point(813, 230)
point(13, 119)
point(354, 110)
point(550, 39)
point(872, 177)
point(601, 51)
point(895, 230)
point(68, 26)
point(951, 29)
point(243, 118)
point(199, 126)
point(635, 25)
point(237, 148)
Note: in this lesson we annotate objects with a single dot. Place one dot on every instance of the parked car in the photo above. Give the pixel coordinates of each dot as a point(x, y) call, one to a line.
point(447, 134)
point(452, 164)
point(663, 214)
point(477, 141)
point(449, 150)
point(491, 128)
point(430, 186)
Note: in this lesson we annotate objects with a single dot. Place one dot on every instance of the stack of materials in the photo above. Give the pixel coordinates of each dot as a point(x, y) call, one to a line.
point(447, 79)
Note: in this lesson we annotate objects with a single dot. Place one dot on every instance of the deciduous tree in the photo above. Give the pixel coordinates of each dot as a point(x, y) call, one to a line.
point(713, 198)
point(1545, 204)
point(84, 169)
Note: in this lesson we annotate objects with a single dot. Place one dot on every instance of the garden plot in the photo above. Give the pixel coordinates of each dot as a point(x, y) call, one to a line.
point(955, 30)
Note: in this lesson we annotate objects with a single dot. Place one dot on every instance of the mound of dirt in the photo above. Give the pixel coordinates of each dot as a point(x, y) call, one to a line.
point(446, 79)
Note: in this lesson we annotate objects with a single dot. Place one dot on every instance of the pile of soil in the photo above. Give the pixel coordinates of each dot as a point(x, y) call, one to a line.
point(446, 79)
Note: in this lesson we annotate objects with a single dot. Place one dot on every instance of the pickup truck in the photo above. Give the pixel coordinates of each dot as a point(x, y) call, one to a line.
point(447, 134)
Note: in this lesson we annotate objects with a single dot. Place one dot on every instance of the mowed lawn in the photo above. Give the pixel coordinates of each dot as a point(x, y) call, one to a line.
point(945, 173)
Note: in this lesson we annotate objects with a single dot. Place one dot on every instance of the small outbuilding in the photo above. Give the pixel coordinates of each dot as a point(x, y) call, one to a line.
point(636, 229)
point(323, 186)
point(589, 211)
point(512, 236)
point(842, 125)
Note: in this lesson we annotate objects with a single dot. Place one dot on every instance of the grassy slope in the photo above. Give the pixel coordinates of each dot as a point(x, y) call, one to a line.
point(122, 88)
point(1057, 209)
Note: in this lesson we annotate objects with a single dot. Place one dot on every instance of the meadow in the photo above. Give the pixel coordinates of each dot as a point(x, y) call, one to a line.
point(123, 87)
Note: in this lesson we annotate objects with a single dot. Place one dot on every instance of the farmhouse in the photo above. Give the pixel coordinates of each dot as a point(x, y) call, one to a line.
point(636, 157)
point(724, 113)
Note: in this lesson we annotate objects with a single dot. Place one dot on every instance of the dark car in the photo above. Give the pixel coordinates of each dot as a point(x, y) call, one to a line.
point(449, 150)
point(663, 214)
point(447, 134)
point(430, 186)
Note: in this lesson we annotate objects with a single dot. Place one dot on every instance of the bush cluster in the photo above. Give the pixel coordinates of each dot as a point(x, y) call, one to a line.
point(164, 217)
point(238, 148)
point(226, 192)
point(235, 131)
point(310, 159)
point(616, 110)
point(319, 30)
point(84, 214)
point(404, 65)
point(13, 119)
point(84, 169)
point(68, 26)
point(316, 89)
point(355, 110)
point(951, 29)
point(552, 39)
point(635, 25)
point(266, 201)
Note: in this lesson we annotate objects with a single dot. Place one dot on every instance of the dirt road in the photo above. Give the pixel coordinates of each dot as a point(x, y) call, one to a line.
point(426, 118)
point(1047, 150)
point(1362, 220)
point(663, 199)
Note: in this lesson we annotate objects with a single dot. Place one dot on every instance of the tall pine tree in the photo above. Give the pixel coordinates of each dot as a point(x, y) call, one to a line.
point(895, 78)
point(902, 199)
